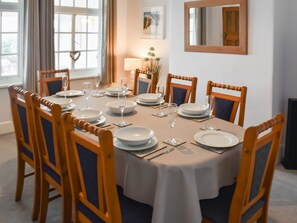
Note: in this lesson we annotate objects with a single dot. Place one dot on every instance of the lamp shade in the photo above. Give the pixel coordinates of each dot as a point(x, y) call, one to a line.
point(132, 64)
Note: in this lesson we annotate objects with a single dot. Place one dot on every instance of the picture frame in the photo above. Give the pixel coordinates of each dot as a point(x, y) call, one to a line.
point(152, 22)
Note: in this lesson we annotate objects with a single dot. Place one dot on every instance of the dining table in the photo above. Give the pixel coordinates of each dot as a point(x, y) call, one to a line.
point(174, 181)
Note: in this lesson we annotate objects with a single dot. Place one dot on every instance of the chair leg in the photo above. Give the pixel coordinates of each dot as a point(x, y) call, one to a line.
point(44, 194)
point(67, 207)
point(20, 179)
point(36, 204)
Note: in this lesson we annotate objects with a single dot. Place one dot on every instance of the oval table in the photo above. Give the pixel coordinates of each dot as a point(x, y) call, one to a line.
point(172, 183)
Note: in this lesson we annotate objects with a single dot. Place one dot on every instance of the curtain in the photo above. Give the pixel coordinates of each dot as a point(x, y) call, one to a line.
point(39, 51)
point(108, 68)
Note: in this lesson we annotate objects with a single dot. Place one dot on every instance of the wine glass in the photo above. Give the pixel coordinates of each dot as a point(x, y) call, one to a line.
point(65, 84)
point(87, 88)
point(124, 85)
point(209, 103)
point(160, 92)
point(122, 104)
point(98, 79)
point(172, 115)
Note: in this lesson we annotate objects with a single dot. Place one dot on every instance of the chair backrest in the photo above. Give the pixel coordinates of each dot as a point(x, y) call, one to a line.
point(22, 117)
point(180, 93)
point(144, 85)
point(51, 81)
point(260, 149)
point(226, 105)
point(47, 120)
point(91, 171)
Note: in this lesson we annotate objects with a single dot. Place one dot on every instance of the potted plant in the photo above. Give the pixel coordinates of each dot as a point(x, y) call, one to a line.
point(153, 62)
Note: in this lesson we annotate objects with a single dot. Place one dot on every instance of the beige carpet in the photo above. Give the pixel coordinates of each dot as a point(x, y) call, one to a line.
point(282, 208)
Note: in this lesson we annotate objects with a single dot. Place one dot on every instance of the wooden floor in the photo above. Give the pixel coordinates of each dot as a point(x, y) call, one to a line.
point(282, 208)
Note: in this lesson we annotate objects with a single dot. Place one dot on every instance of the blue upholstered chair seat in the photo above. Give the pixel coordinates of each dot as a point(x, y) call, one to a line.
point(223, 108)
point(132, 211)
point(52, 173)
point(27, 152)
point(217, 209)
point(54, 87)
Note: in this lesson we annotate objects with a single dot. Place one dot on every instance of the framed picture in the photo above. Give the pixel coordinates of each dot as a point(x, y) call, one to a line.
point(152, 22)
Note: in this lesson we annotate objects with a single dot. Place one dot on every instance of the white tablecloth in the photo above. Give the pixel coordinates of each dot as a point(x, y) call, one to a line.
point(172, 183)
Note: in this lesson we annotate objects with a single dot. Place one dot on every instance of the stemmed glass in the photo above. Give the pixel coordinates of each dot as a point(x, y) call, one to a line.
point(87, 88)
point(209, 102)
point(124, 85)
point(122, 104)
point(172, 115)
point(98, 79)
point(65, 84)
point(160, 92)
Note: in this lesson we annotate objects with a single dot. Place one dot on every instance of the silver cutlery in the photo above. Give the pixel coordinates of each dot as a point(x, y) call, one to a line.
point(160, 154)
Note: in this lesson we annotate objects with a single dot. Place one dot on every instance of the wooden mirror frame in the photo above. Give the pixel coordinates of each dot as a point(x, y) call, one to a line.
point(241, 49)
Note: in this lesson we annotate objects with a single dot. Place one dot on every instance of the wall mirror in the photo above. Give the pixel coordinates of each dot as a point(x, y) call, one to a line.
point(216, 26)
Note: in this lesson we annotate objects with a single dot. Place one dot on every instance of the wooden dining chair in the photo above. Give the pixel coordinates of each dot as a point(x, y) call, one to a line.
point(247, 200)
point(22, 116)
point(180, 93)
point(226, 105)
point(53, 168)
point(50, 81)
point(145, 84)
point(91, 163)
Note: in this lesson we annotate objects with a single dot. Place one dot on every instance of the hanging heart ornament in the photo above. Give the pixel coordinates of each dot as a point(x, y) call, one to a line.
point(75, 55)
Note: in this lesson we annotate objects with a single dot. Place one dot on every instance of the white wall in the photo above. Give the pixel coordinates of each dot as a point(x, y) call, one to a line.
point(253, 70)
point(137, 47)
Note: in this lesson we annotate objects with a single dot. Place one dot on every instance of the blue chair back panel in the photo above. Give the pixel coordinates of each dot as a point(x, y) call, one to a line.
point(179, 95)
point(27, 152)
point(47, 128)
point(56, 177)
point(142, 87)
point(223, 108)
point(88, 164)
point(54, 87)
point(260, 165)
point(24, 122)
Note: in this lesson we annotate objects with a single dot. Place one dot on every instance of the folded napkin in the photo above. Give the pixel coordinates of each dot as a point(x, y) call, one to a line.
point(146, 152)
point(213, 149)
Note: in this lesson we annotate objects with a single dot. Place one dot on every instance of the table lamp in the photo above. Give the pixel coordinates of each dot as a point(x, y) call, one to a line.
point(131, 64)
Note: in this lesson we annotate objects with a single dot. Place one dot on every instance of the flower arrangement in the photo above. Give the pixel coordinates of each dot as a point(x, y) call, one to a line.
point(153, 62)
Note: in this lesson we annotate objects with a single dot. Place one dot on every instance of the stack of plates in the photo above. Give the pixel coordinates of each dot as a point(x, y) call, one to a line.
point(65, 103)
point(192, 110)
point(134, 138)
point(115, 108)
point(113, 91)
point(90, 115)
point(69, 93)
point(216, 139)
point(149, 99)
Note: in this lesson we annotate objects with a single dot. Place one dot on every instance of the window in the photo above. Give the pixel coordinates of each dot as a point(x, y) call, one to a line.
point(10, 46)
point(77, 28)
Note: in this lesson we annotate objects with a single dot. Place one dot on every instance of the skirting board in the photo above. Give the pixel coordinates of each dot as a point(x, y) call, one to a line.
point(6, 127)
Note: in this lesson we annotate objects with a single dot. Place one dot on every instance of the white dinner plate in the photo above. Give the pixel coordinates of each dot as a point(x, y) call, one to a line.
point(149, 97)
point(114, 90)
point(107, 93)
point(149, 145)
point(182, 114)
point(70, 93)
point(88, 115)
point(138, 101)
point(216, 139)
point(100, 121)
point(115, 108)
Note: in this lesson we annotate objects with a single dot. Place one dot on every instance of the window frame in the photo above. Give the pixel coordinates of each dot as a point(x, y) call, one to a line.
point(18, 78)
point(77, 11)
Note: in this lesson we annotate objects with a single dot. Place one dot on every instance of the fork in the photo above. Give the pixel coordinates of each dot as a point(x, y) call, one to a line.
point(160, 154)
